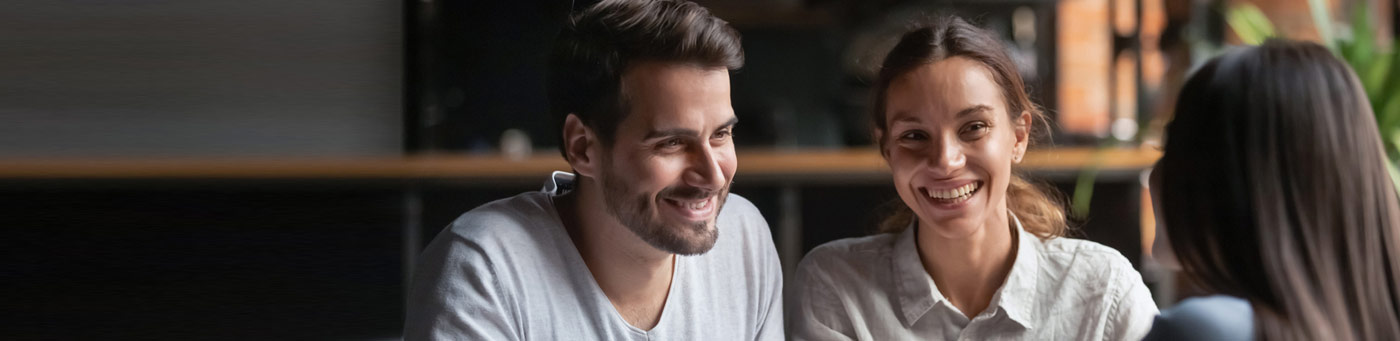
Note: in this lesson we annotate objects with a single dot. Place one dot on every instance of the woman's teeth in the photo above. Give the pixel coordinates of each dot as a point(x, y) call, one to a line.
point(955, 193)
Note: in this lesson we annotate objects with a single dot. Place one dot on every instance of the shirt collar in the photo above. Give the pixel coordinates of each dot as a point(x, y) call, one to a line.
point(559, 182)
point(1018, 296)
point(913, 288)
point(916, 292)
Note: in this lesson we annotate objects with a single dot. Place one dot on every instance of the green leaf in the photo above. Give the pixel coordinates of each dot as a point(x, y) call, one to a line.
point(1346, 50)
point(1084, 186)
point(1388, 117)
point(1386, 103)
point(1394, 175)
point(1250, 24)
point(1322, 19)
point(1374, 78)
point(1391, 85)
point(1363, 43)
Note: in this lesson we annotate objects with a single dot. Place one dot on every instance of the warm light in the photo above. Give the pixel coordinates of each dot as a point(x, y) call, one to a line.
point(1124, 17)
point(1125, 96)
point(1154, 65)
point(1083, 65)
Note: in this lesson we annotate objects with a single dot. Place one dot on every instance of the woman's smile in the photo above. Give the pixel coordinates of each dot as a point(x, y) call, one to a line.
point(951, 197)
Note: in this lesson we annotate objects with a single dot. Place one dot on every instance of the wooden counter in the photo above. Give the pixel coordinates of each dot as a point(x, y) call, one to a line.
point(755, 163)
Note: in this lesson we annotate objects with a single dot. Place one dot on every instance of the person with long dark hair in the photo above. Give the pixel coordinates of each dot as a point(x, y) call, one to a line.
point(976, 251)
point(1272, 193)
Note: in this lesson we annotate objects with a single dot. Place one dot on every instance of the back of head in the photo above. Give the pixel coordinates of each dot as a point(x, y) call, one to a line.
point(1274, 188)
point(598, 44)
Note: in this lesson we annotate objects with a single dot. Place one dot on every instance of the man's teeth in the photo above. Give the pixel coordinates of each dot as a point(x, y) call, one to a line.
point(953, 193)
point(694, 205)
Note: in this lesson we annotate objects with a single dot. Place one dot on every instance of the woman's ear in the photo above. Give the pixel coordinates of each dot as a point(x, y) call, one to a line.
point(1023, 136)
point(580, 146)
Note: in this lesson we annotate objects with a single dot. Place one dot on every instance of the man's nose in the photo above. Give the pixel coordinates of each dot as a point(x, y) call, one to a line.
point(704, 170)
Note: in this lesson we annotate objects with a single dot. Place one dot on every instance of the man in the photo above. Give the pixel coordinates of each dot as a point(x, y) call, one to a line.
point(643, 241)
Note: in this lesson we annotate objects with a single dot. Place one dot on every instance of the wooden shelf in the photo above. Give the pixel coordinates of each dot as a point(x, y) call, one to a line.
point(759, 163)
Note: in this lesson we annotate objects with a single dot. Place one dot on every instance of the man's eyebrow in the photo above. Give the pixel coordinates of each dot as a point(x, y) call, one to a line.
point(684, 131)
point(671, 132)
point(732, 121)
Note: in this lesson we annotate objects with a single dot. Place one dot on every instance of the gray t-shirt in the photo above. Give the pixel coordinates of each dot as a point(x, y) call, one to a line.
point(508, 271)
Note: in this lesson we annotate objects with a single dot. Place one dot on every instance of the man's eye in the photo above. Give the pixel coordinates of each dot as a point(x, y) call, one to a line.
point(723, 134)
point(671, 143)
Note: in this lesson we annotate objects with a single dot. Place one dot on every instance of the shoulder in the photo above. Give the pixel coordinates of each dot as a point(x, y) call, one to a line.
point(495, 232)
point(1069, 255)
point(1070, 249)
point(1205, 318)
point(851, 250)
point(1087, 266)
point(504, 218)
point(849, 256)
point(1100, 274)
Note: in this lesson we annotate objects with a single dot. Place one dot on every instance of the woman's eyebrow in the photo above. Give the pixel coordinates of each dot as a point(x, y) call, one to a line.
point(973, 110)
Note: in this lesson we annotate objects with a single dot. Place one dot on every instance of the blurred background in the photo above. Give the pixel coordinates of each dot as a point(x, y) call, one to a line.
point(271, 169)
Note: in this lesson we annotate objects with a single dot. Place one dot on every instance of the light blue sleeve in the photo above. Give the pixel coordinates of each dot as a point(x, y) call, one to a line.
point(1205, 318)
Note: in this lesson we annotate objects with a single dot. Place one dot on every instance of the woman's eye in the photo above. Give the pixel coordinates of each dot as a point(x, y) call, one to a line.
point(976, 129)
point(912, 135)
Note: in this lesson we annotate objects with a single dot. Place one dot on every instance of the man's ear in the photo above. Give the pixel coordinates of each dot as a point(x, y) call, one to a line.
point(580, 146)
point(1023, 136)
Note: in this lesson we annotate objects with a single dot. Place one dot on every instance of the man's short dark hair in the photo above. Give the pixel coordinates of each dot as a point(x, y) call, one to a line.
point(600, 42)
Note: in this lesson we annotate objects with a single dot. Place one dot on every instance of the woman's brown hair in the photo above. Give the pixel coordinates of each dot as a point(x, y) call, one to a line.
point(946, 37)
point(1274, 189)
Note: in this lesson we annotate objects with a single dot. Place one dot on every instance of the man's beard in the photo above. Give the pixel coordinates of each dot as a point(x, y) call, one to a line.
point(636, 212)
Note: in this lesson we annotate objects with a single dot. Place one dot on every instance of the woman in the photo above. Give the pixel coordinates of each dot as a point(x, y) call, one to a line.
point(1274, 192)
point(977, 252)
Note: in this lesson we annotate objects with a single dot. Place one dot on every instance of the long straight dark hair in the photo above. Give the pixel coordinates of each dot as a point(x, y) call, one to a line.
point(943, 37)
point(1275, 189)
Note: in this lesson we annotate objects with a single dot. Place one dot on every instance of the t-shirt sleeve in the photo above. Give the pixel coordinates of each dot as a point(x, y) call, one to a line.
point(814, 310)
point(456, 295)
point(771, 325)
point(1134, 308)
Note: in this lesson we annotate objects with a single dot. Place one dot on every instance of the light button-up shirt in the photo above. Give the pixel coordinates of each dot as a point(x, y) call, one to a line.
point(876, 288)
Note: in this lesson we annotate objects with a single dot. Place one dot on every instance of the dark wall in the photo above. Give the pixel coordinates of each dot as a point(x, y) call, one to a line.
point(478, 69)
point(200, 78)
